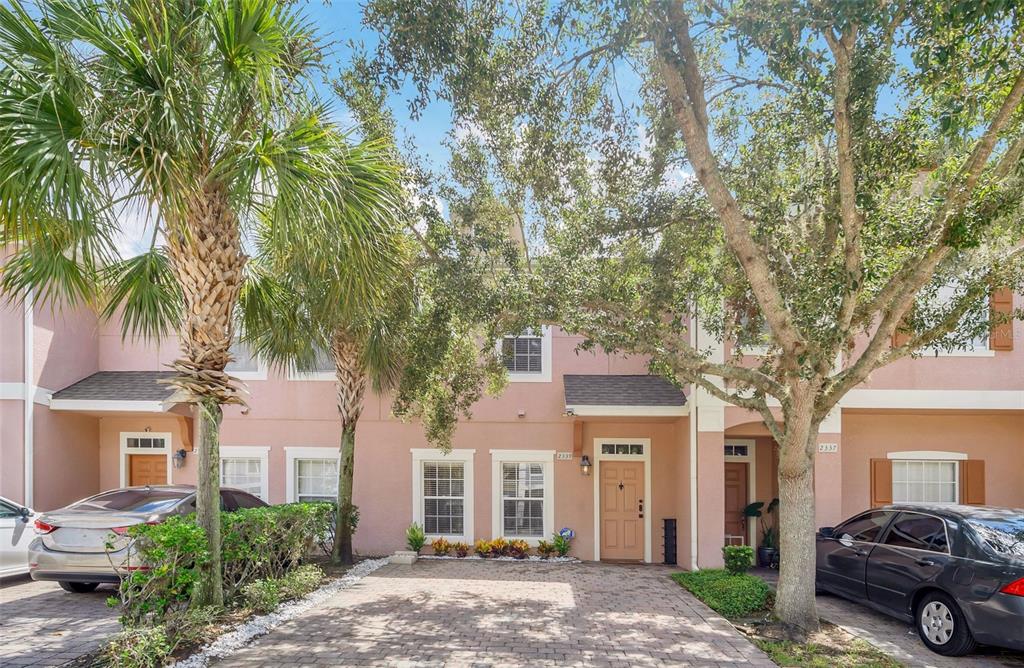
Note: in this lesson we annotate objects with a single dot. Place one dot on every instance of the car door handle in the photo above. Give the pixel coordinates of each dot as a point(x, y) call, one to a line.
point(924, 562)
point(860, 553)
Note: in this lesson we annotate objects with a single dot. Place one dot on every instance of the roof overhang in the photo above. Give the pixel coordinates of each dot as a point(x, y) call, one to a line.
point(107, 406)
point(118, 392)
point(599, 410)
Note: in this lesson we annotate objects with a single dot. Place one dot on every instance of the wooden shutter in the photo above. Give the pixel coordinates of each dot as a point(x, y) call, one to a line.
point(972, 482)
point(1001, 306)
point(881, 482)
point(902, 333)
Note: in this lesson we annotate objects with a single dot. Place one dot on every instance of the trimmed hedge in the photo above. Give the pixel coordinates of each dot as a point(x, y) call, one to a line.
point(256, 544)
point(727, 594)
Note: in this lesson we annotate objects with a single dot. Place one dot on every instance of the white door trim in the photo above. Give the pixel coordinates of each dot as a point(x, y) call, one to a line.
point(125, 451)
point(751, 461)
point(648, 498)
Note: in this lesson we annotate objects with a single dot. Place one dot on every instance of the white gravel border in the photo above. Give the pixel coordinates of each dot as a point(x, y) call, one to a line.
point(231, 642)
point(476, 557)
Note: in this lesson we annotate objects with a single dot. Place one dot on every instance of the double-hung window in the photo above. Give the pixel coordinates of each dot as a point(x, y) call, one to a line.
point(316, 479)
point(527, 356)
point(244, 473)
point(443, 492)
point(523, 487)
point(925, 481)
point(522, 499)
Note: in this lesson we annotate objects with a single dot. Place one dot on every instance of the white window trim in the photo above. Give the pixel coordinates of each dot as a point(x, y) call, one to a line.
point(545, 360)
point(259, 452)
point(318, 376)
point(124, 450)
point(259, 374)
point(971, 352)
point(932, 456)
point(751, 461)
point(544, 457)
point(466, 456)
point(304, 452)
point(648, 498)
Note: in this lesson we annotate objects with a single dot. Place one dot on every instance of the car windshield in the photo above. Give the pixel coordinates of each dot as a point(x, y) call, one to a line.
point(133, 500)
point(1005, 536)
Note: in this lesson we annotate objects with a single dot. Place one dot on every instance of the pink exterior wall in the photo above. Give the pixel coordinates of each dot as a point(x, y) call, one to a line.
point(64, 346)
point(12, 349)
point(12, 457)
point(109, 445)
point(67, 457)
point(998, 438)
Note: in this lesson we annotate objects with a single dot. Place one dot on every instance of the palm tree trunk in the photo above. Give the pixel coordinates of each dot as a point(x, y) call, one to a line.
point(351, 386)
point(206, 255)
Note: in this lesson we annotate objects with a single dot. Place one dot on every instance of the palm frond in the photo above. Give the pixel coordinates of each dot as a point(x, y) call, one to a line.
point(144, 291)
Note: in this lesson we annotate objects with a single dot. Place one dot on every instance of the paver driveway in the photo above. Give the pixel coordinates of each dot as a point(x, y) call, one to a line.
point(43, 625)
point(505, 613)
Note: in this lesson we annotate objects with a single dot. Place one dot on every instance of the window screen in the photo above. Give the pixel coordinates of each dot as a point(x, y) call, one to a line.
point(522, 495)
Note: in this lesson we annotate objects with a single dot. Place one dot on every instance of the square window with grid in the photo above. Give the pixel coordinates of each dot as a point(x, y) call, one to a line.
point(244, 473)
point(523, 354)
point(522, 492)
point(444, 491)
point(316, 480)
point(924, 481)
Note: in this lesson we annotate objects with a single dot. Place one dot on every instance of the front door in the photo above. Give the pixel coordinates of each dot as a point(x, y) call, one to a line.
point(736, 499)
point(147, 469)
point(622, 510)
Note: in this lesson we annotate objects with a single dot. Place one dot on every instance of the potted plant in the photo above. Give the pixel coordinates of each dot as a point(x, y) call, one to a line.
point(768, 551)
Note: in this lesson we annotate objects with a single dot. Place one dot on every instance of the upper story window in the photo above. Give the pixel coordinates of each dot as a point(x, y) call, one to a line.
point(979, 346)
point(245, 365)
point(527, 356)
point(324, 369)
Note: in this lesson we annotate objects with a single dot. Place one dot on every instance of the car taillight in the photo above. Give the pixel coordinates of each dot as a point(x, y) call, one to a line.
point(1015, 588)
point(136, 568)
point(120, 531)
point(42, 528)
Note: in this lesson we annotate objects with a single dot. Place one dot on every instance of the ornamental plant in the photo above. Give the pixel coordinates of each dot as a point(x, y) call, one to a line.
point(545, 549)
point(518, 549)
point(441, 547)
point(561, 541)
point(482, 548)
point(461, 549)
point(415, 538)
point(499, 547)
point(738, 558)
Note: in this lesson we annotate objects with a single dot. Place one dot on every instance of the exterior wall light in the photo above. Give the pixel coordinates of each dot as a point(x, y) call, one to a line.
point(585, 465)
point(179, 458)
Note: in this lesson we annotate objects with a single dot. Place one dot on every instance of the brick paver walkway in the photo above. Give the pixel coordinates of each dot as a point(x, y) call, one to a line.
point(456, 613)
point(43, 625)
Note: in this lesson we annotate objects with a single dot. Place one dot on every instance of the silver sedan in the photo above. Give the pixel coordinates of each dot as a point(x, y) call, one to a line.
point(86, 543)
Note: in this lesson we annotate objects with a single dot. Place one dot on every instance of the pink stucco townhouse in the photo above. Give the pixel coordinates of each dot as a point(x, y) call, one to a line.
point(81, 411)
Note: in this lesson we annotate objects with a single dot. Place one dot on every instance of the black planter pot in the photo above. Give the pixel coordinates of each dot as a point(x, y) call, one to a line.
point(768, 557)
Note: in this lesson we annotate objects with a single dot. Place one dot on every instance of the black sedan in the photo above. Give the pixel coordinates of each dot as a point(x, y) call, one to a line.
point(956, 572)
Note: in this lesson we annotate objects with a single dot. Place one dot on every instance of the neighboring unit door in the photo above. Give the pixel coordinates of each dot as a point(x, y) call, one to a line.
point(915, 549)
point(622, 510)
point(736, 499)
point(147, 470)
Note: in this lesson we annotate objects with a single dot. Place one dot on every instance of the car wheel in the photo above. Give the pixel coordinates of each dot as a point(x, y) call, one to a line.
point(79, 587)
point(942, 625)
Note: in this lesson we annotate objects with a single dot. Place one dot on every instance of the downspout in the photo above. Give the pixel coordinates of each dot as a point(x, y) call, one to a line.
point(693, 454)
point(30, 396)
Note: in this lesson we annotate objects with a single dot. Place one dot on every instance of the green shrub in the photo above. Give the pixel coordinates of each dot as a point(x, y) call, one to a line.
point(461, 549)
point(262, 595)
point(727, 594)
point(518, 549)
point(138, 648)
point(256, 544)
point(415, 538)
point(545, 549)
point(301, 581)
point(482, 548)
point(499, 547)
point(738, 558)
point(561, 543)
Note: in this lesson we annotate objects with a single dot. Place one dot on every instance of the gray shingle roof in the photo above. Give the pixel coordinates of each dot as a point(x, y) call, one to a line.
point(119, 386)
point(608, 390)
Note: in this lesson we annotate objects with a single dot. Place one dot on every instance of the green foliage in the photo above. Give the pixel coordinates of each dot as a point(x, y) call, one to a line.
point(482, 548)
point(415, 537)
point(518, 549)
point(461, 549)
point(265, 595)
point(738, 558)
point(837, 651)
point(256, 543)
point(561, 544)
point(499, 547)
point(545, 549)
point(766, 519)
point(262, 595)
point(730, 595)
point(441, 547)
point(138, 648)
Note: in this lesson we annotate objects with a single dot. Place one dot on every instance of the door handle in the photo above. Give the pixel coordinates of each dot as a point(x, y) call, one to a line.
point(641, 508)
point(924, 562)
point(860, 553)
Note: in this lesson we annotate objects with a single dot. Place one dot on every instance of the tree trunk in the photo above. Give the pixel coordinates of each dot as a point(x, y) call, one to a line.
point(351, 385)
point(794, 601)
point(342, 552)
point(206, 255)
point(209, 588)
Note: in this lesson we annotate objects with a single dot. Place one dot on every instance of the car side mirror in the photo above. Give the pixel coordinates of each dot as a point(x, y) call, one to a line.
point(827, 532)
point(24, 513)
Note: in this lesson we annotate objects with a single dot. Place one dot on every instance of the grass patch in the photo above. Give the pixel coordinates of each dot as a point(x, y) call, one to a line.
point(829, 648)
point(733, 596)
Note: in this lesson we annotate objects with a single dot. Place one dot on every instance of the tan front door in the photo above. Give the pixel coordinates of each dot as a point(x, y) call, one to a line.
point(622, 510)
point(735, 501)
point(147, 469)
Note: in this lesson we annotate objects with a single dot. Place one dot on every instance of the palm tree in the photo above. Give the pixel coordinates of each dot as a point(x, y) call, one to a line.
point(293, 317)
point(201, 113)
